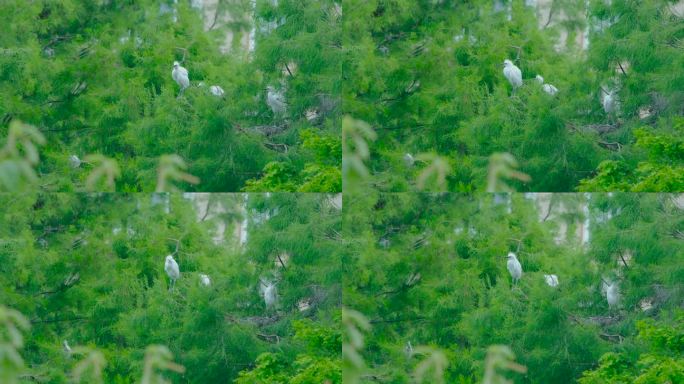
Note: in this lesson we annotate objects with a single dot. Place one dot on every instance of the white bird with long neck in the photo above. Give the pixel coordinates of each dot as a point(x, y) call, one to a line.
point(551, 280)
point(205, 280)
point(172, 270)
point(66, 348)
point(512, 73)
point(514, 267)
point(610, 101)
point(612, 294)
point(180, 76)
point(269, 294)
point(548, 88)
point(276, 101)
point(216, 90)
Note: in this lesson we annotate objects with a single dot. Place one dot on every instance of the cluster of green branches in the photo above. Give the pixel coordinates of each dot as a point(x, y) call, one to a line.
point(87, 271)
point(427, 77)
point(94, 77)
point(426, 283)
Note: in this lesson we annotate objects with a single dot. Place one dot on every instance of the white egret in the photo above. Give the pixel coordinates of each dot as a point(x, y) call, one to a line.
point(74, 161)
point(269, 293)
point(612, 294)
point(66, 348)
point(204, 280)
point(551, 280)
point(172, 270)
point(512, 73)
point(408, 349)
point(180, 76)
point(548, 88)
point(610, 101)
point(276, 101)
point(514, 267)
point(216, 90)
point(409, 160)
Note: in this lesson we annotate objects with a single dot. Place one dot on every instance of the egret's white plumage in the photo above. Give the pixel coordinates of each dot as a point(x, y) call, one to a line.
point(74, 161)
point(66, 348)
point(551, 280)
point(172, 270)
point(409, 160)
point(512, 73)
point(276, 101)
point(550, 89)
point(514, 267)
point(612, 294)
point(216, 90)
point(269, 294)
point(180, 75)
point(204, 280)
point(610, 102)
point(408, 349)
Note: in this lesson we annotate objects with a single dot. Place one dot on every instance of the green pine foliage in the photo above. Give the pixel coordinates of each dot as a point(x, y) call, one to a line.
point(95, 78)
point(427, 77)
point(89, 269)
point(429, 269)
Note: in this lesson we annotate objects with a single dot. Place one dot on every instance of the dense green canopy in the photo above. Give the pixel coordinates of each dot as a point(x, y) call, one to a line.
point(95, 78)
point(89, 269)
point(430, 270)
point(427, 76)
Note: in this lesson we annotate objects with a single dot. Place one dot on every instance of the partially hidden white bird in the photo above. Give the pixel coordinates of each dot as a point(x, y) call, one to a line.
point(216, 90)
point(74, 161)
point(180, 76)
point(409, 160)
point(548, 88)
point(408, 349)
point(269, 293)
point(514, 267)
point(612, 294)
point(551, 280)
point(275, 100)
point(66, 348)
point(610, 101)
point(512, 73)
point(205, 280)
point(172, 270)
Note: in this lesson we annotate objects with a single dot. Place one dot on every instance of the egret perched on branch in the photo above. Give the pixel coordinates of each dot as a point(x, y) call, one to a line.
point(612, 293)
point(408, 349)
point(180, 76)
point(512, 73)
point(269, 293)
point(74, 161)
point(548, 88)
point(204, 280)
point(610, 101)
point(276, 101)
point(514, 267)
point(171, 268)
point(551, 280)
point(66, 348)
point(216, 90)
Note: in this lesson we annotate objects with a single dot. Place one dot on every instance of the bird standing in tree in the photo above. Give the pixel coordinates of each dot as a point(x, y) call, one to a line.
point(514, 267)
point(551, 280)
point(205, 280)
point(512, 73)
point(276, 101)
point(172, 270)
point(180, 76)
